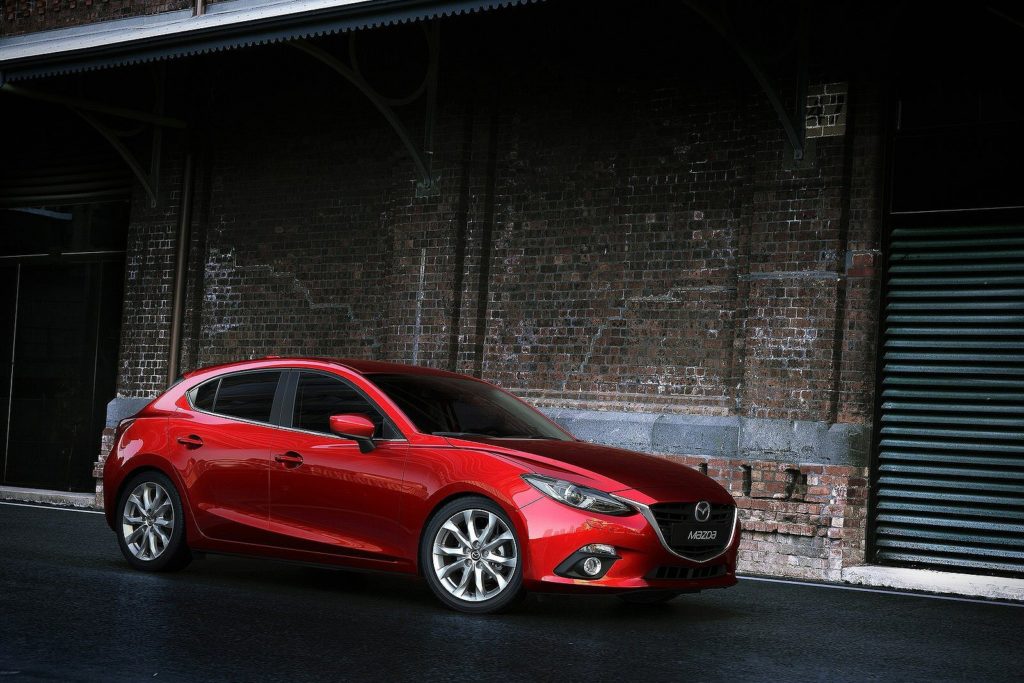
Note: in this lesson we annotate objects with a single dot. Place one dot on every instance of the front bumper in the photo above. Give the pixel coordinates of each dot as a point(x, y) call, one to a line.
point(555, 531)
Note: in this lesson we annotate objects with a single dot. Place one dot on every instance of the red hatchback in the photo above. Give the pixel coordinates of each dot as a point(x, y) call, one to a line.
point(390, 467)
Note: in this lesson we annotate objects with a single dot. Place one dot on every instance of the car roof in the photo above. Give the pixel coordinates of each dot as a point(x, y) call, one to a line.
point(362, 367)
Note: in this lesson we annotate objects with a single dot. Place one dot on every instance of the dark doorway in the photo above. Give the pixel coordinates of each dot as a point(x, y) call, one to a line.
point(61, 291)
point(949, 482)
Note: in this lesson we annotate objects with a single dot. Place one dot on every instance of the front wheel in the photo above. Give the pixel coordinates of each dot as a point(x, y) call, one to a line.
point(151, 528)
point(471, 557)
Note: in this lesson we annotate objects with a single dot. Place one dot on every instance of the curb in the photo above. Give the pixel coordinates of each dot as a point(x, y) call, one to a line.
point(61, 498)
point(932, 581)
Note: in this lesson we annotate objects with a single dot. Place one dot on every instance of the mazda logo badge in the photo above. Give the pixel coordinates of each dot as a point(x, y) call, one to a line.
point(702, 511)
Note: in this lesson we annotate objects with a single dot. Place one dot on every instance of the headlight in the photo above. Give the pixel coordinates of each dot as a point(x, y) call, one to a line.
point(577, 496)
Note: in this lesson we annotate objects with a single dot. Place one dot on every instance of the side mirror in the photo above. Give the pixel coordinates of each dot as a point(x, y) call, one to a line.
point(359, 428)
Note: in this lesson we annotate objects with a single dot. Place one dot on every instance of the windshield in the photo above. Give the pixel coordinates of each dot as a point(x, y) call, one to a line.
point(451, 406)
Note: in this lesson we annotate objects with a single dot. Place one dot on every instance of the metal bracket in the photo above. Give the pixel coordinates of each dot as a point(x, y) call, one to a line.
point(87, 110)
point(114, 139)
point(422, 158)
point(793, 123)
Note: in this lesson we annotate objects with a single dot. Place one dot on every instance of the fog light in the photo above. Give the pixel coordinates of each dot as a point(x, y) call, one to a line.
point(599, 549)
point(592, 566)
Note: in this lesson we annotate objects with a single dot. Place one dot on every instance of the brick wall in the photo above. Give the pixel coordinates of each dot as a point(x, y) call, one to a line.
point(149, 284)
point(27, 16)
point(606, 237)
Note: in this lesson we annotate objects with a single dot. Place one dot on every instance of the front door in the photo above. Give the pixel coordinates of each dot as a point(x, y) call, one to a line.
point(325, 495)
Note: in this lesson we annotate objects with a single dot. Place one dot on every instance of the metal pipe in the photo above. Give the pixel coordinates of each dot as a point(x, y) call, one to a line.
point(10, 384)
point(180, 266)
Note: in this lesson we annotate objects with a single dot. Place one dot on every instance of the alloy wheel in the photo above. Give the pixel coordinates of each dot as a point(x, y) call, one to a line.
point(147, 521)
point(474, 555)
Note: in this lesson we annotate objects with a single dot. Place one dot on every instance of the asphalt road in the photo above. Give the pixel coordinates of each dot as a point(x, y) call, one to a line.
point(72, 609)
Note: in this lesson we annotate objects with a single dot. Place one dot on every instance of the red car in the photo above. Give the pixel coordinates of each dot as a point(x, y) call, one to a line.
point(379, 466)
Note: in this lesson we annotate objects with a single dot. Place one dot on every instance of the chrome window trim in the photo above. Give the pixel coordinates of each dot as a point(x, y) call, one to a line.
point(649, 516)
point(279, 427)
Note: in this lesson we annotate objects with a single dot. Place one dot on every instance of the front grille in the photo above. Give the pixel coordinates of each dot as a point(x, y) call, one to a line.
point(669, 515)
point(676, 573)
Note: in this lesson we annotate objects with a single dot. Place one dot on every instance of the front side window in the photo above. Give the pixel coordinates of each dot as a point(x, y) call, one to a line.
point(464, 407)
point(248, 395)
point(318, 396)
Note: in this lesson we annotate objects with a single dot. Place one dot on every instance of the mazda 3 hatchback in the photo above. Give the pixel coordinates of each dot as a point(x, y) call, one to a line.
point(377, 466)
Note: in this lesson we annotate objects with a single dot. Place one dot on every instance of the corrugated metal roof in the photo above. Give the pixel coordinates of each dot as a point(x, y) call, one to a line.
point(226, 25)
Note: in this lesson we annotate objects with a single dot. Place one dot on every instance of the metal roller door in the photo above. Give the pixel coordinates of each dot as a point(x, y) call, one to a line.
point(950, 477)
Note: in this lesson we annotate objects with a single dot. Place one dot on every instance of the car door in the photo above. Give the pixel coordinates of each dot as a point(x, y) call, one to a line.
point(227, 442)
point(325, 495)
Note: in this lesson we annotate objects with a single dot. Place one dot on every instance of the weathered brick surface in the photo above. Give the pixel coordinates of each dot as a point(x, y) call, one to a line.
point(106, 443)
point(615, 249)
point(859, 327)
point(27, 16)
point(798, 520)
point(149, 283)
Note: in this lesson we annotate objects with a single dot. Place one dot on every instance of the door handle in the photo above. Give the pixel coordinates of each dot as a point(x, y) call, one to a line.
point(289, 459)
point(190, 441)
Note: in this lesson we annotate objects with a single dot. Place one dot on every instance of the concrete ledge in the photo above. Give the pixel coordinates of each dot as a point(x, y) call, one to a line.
point(800, 441)
point(62, 498)
point(930, 581)
point(120, 408)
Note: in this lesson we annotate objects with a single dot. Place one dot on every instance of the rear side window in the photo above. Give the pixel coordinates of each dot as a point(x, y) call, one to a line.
point(317, 397)
point(204, 395)
point(248, 395)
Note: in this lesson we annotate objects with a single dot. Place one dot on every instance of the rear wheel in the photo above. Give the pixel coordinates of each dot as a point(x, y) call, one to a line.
point(471, 556)
point(648, 597)
point(151, 524)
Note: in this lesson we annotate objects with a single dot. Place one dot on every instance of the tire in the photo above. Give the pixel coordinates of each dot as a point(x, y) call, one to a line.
point(458, 571)
point(150, 524)
point(648, 597)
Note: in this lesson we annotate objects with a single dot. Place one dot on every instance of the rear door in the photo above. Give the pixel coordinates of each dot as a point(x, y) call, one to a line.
point(227, 442)
point(325, 495)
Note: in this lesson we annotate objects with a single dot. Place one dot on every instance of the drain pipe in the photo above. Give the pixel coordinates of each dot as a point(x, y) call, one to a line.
point(180, 268)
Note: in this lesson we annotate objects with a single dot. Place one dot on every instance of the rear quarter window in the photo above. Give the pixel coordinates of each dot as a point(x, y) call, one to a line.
point(204, 395)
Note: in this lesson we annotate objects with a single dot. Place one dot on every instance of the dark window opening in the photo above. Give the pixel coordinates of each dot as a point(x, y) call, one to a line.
point(464, 407)
point(318, 396)
point(249, 395)
point(958, 134)
point(204, 395)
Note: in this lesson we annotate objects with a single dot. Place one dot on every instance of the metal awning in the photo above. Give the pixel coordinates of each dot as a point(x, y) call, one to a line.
point(224, 26)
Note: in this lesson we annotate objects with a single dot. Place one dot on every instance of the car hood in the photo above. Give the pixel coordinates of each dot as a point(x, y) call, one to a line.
point(605, 468)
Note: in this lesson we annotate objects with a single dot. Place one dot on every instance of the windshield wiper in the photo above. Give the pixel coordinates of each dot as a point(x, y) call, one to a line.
point(460, 434)
point(492, 436)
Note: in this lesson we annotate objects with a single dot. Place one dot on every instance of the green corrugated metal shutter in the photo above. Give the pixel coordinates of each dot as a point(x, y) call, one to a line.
point(951, 448)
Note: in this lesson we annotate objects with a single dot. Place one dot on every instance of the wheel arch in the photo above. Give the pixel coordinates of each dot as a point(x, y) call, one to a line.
point(148, 465)
point(472, 493)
